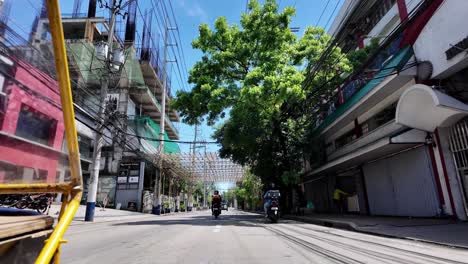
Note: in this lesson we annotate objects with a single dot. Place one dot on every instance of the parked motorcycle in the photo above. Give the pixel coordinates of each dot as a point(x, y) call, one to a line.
point(38, 202)
point(273, 211)
point(11, 200)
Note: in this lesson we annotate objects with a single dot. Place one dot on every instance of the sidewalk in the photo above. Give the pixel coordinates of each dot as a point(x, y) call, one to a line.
point(106, 215)
point(439, 231)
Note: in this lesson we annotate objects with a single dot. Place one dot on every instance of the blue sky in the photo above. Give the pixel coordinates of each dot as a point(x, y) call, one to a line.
point(190, 14)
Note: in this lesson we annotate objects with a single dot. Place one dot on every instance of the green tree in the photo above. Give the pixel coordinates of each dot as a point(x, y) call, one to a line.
point(228, 196)
point(357, 58)
point(250, 190)
point(255, 71)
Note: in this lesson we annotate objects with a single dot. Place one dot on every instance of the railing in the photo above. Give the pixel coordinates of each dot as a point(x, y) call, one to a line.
point(357, 81)
point(151, 55)
point(74, 15)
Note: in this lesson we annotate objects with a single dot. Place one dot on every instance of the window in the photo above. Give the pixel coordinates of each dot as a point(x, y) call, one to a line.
point(3, 96)
point(39, 175)
point(345, 139)
point(85, 146)
point(379, 10)
point(35, 126)
point(11, 173)
point(378, 120)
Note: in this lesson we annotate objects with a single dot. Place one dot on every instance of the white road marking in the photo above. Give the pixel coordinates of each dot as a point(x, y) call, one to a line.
point(217, 229)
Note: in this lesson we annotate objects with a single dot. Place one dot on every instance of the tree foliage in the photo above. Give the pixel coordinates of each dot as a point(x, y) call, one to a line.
point(358, 57)
point(250, 190)
point(255, 71)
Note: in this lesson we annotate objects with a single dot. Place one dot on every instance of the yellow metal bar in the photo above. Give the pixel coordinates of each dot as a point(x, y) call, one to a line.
point(56, 238)
point(65, 198)
point(63, 76)
point(57, 256)
point(36, 188)
point(55, 24)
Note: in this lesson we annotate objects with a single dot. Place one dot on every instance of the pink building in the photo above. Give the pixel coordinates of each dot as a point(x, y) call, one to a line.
point(31, 124)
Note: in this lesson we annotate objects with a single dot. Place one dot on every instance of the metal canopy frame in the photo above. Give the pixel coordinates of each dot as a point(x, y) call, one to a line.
point(206, 167)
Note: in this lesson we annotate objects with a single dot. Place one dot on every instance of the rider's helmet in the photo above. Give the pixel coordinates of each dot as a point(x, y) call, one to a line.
point(216, 192)
point(272, 186)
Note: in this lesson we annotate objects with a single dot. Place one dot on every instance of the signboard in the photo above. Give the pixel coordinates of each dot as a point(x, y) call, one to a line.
point(123, 173)
point(121, 179)
point(133, 179)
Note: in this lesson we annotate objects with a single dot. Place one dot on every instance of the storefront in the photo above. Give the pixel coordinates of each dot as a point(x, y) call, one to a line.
point(402, 185)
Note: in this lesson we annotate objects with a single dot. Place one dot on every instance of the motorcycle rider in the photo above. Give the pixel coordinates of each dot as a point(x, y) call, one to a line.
point(268, 197)
point(215, 199)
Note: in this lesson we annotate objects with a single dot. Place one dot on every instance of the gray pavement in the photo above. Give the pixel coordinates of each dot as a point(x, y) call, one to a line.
point(100, 214)
point(440, 231)
point(239, 237)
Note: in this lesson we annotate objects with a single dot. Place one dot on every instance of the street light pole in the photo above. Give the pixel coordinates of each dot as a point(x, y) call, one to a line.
point(99, 141)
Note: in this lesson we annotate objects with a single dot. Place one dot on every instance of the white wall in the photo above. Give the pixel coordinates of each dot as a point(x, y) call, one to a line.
point(447, 27)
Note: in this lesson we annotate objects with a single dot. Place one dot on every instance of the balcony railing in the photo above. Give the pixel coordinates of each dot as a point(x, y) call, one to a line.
point(357, 81)
point(151, 55)
point(74, 15)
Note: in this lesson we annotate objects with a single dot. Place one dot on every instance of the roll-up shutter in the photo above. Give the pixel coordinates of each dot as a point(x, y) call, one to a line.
point(402, 185)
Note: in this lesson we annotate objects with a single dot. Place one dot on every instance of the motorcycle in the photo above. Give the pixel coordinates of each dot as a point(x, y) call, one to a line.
point(38, 202)
point(216, 210)
point(273, 211)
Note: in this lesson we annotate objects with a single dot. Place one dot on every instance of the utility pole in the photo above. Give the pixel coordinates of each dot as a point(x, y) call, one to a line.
point(99, 141)
point(190, 186)
point(157, 188)
point(205, 206)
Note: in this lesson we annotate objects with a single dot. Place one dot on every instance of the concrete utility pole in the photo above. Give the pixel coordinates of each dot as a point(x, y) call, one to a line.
point(157, 188)
point(205, 206)
point(99, 141)
point(190, 186)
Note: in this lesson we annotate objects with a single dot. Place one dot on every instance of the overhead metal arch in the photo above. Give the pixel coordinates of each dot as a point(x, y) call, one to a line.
point(207, 167)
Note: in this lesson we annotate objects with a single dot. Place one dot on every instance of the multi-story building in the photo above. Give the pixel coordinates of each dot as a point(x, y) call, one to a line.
point(32, 139)
point(129, 157)
point(386, 134)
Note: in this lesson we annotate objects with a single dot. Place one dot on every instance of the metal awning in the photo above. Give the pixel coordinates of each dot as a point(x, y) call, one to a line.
point(426, 109)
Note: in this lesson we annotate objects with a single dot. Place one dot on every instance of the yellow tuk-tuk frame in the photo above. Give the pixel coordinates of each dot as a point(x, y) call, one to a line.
point(74, 188)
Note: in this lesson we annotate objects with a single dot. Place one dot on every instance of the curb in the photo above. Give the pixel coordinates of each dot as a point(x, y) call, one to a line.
point(77, 222)
point(327, 223)
point(353, 227)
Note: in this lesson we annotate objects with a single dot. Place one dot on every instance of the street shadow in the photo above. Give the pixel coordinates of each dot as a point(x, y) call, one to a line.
point(201, 220)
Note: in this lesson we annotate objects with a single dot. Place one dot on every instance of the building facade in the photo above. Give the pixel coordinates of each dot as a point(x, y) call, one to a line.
point(129, 157)
point(31, 124)
point(380, 141)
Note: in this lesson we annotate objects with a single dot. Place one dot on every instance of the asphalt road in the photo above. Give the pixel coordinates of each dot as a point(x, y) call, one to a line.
point(239, 237)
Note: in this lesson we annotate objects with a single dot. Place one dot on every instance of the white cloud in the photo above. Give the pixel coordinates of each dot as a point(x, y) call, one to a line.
point(193, 9)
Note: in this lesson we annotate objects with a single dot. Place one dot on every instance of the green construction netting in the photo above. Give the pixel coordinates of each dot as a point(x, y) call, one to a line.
point(146, 127)
point(88, 64)
point(132, 69)
point(90, 67)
